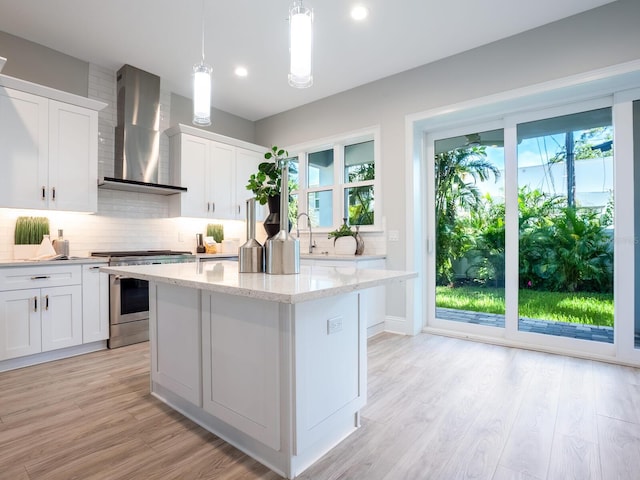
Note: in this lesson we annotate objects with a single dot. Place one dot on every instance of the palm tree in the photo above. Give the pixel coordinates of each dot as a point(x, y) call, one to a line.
point(457, 173)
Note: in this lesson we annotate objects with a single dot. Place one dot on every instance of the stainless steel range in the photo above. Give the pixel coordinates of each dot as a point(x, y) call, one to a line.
point(129, 297)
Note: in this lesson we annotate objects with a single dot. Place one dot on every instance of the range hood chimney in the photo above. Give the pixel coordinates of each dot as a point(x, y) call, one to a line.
point(137, 139)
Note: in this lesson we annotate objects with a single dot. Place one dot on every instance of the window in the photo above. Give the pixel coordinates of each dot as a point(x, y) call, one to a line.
point(336, 179)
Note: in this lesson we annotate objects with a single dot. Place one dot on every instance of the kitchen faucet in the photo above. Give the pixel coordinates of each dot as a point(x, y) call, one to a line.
point(311, 242)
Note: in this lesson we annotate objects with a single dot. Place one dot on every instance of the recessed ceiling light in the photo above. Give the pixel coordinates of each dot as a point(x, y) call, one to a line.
point(241, 71)
point(359, 12)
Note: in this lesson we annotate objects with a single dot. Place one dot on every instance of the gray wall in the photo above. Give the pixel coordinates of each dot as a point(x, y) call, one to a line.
point(601, 37)
point(38, 64)
point(221, 122)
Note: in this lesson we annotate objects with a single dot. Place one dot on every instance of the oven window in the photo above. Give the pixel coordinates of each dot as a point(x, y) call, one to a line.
point(134, 295)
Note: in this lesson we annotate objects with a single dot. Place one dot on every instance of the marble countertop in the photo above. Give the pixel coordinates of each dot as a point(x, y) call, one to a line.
point(31, 263)
point(311, 283)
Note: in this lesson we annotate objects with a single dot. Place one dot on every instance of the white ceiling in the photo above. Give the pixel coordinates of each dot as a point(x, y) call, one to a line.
point(164, 38)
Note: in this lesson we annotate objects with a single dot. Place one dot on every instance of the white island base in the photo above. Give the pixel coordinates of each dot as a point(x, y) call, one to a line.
point(273, 364)
point(281, 382)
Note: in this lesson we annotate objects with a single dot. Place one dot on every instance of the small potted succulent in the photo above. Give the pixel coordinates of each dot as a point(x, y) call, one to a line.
point(344, 240)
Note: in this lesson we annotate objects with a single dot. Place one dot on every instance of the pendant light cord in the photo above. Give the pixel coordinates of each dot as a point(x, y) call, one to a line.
point(202, 31)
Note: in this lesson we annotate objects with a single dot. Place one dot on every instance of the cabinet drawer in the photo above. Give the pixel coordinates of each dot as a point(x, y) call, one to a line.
point(17, 278)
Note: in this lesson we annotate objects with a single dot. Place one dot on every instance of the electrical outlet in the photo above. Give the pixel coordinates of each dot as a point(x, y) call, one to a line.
point(334, 325)
point(180, 237)
point(394, 235)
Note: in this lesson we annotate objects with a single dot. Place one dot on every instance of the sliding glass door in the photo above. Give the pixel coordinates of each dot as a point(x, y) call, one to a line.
point(522, 220)
point(469, 218)
point(565, 226)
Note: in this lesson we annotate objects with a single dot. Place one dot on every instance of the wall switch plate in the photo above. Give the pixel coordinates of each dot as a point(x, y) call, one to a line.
point(180, 237)
point(394, 235)
point(334, 325)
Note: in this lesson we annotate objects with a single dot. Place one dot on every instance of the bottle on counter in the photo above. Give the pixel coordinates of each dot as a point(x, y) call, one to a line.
point(60, 245)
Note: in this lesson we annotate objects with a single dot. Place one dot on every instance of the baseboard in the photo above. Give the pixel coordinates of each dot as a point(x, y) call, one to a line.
point(27, 361)
point(395, 325)
point(374, 330)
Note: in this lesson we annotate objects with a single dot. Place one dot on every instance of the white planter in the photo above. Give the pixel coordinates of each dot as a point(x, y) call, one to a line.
point(345, 246)
point(25, 252)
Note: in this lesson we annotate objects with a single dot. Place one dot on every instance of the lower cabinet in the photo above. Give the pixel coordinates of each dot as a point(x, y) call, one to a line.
point(95, 303)
point(39, 320)
point(240, 364)
point(20, 324)
point(50, 307)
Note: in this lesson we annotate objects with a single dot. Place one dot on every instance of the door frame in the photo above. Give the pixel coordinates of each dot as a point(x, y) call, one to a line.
point(611, 81)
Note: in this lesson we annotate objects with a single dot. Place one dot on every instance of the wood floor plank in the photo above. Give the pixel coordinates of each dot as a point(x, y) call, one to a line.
point(574, 458)
point(619, 448)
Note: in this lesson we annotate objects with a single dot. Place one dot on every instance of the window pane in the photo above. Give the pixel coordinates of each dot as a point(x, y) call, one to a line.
point(359, 205)
point(566, 248)
point(294, 166)
point(293, 209)
point(359, 162)
point(470, 228)
point(321, 208)
point(320, 169)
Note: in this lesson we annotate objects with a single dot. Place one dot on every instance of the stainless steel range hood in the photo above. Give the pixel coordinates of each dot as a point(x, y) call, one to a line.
point(137, 135)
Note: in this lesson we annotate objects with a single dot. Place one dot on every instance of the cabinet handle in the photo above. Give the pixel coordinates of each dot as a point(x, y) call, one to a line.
point(44, 192)
point(238, 209)
point(53, 193)
point(213, 207)
point(208, 207)
point(94, 268)
point(40, 277)
point(46, 302)
point(35, 304)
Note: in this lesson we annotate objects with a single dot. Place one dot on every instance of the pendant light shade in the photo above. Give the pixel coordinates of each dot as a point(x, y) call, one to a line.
point(202, 94)
point(202, 88)
point(300, 45)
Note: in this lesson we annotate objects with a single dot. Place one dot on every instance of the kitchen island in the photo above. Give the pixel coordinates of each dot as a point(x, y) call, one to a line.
point(273, 364)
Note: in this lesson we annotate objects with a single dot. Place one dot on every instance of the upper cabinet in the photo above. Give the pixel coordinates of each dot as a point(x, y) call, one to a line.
point(215, 169)
point(49, 150)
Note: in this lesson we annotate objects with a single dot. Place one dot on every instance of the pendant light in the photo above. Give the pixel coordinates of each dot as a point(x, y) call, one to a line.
point(202, 88)
point(300, 45)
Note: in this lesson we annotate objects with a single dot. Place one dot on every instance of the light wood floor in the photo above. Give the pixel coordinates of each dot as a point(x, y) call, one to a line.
point(438, 408)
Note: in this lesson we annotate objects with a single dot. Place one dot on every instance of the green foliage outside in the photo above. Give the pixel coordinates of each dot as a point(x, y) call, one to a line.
point(361, 209)
point(577, 307)
point(565, 252)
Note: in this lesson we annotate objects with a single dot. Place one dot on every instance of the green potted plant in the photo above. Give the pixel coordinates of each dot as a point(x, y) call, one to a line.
point(344, 239)
point(265, 183)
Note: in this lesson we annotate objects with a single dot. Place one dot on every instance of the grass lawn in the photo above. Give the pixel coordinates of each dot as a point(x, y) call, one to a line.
point(585, 308)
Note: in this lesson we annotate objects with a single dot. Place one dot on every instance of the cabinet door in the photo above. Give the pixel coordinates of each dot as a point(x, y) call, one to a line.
point(192, 170)
point(247, 162)
point(221, 174)
point(95, 304)
point(19, 323)
point(61, 314)
point(73, 157)
point(23, 149)
point(240, 364)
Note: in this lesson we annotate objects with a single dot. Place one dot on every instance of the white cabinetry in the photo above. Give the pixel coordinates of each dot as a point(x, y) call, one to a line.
point(49, 151)
point(19, 323)
point(215, 169)
point(174, 331)
point(95, 303)
point(40, 309)
point(373, 303)
point(241, 358)
point(73, 157)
